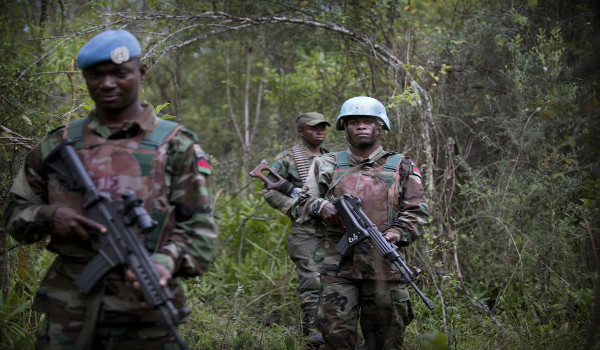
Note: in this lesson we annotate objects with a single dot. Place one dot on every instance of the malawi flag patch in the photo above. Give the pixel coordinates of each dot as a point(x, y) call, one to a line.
point(203, 166)
point(416, 171)
point(202, 163)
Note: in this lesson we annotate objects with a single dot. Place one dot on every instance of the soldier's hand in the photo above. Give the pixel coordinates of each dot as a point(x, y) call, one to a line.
point(164, 276)
point(66, 223)
point(392, 236)
point(330, 216)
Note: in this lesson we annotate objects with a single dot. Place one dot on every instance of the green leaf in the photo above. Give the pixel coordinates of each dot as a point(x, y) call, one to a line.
point(20, 308)
point(160, 107)
point(25, 119)
point(167, 117)
point(519, 19)
point(88, 104)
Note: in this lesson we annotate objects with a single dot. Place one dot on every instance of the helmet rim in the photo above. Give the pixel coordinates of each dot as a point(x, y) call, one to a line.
point(362, 106)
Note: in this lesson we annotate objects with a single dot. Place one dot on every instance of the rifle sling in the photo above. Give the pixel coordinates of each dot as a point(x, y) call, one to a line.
point(91, 315)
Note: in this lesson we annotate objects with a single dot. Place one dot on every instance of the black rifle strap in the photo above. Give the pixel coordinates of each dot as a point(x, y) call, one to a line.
point(93, 301)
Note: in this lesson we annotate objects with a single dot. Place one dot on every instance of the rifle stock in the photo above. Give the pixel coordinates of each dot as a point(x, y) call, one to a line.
point(359, 227)
point(282, 185)
point(120, 244)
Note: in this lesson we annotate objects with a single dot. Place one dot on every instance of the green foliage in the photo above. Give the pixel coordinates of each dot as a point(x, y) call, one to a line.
point(247, 299)
point(508, 258)
point(256, 235)
point(12, 331)
point(231, 326)
point(18, 321)
point(522, 218)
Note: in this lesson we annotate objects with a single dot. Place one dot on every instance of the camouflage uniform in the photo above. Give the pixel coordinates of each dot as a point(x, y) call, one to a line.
point(364, 285)
point(175, 190)
point(303, 239)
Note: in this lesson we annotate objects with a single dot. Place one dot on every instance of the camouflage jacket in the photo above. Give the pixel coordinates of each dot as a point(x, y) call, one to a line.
point(285, 165)
point(185, 247)
point(408, 206)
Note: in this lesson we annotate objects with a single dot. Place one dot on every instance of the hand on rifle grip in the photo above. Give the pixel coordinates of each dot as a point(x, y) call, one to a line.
point(392, 236)
point(331, 216)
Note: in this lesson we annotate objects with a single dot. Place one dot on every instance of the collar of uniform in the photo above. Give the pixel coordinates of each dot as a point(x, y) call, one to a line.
point(373, 157)
point(145, 121)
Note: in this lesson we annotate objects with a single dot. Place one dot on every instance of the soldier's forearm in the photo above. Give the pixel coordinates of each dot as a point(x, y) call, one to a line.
point(191, 245)
point(29, 223)
point(279, 201)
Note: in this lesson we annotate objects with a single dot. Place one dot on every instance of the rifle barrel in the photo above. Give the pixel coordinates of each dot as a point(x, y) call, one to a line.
point(350, 209)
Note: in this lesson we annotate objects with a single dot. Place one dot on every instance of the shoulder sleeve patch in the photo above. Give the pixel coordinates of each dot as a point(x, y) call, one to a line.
point(415, 171)
point(202, 163)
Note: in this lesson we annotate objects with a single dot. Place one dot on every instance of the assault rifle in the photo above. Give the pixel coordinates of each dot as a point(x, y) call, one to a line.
point(120, 244)
point(282, 185)
point(359, 227)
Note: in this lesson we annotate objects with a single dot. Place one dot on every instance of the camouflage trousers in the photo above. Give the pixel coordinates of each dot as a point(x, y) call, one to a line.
point(301, 250)
point(62, 334)
point(383, 309)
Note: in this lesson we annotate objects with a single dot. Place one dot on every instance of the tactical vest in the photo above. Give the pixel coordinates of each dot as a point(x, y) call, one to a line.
point(119, 165)
point(378, 187)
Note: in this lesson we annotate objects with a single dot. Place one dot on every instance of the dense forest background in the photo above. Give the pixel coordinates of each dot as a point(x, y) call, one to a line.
point(497, 101)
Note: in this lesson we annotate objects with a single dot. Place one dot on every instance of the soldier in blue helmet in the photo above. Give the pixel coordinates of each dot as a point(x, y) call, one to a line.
point(123, 146)
point(364, 287)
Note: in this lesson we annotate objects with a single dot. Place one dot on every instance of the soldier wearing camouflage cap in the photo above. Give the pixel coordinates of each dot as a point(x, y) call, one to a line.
point(293, 164)
point(365, 286)
point(123, 146)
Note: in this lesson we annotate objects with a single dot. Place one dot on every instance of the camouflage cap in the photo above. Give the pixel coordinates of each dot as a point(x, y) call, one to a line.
point(310, 119)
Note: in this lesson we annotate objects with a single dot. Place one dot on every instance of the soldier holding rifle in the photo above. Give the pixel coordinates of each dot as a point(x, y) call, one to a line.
point(363, 285)
point(289, 170)
point(126, 152)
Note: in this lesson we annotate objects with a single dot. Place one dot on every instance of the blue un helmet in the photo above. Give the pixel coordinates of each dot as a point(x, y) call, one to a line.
point(362, 105)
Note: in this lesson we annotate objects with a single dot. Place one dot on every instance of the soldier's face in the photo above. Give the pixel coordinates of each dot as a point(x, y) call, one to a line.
point(114, 86)
point(313, 135)
point(360, 131)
